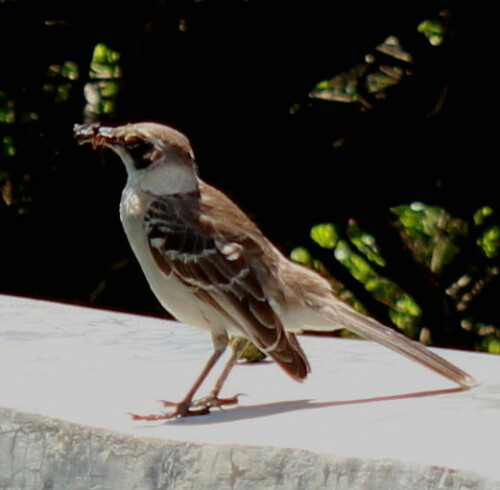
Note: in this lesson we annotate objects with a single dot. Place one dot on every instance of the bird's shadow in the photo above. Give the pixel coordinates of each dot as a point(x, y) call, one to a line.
point(270, 409)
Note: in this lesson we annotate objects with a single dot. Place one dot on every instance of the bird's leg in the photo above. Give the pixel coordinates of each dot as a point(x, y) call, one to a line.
point(212, 399)
point(182, 408)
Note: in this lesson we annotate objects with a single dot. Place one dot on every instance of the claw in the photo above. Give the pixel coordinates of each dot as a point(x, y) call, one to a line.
point(166, 403)
point(214, 401)
point(179, 412)
point(197, 407)
point(150, 417)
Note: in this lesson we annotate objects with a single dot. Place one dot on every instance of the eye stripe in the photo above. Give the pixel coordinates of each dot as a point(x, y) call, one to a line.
point(141, 152)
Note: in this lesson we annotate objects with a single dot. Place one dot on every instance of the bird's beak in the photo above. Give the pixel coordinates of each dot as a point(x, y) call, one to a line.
point(95, 134)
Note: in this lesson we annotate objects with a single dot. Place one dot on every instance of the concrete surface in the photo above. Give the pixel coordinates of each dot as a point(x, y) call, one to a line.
point(366, 418)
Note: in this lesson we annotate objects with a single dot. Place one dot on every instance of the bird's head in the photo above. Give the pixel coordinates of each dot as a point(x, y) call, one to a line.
point(157, 157)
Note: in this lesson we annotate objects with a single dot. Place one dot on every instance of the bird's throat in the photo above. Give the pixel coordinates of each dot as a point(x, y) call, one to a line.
point(169, 179)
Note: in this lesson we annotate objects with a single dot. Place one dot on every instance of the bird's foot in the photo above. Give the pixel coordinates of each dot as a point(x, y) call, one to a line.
point(211, 400)
point(201, 406)
point(179, 410)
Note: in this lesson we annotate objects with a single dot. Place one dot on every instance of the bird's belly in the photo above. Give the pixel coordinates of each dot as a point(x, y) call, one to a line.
point(177, 298)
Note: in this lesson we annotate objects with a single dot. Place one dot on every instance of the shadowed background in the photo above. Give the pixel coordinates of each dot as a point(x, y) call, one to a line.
point(356, 137)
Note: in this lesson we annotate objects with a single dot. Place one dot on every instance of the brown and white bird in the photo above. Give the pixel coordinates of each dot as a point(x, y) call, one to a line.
point(211, 267)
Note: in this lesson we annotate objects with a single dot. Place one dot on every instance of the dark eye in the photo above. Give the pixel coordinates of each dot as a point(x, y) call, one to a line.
point(141, 151)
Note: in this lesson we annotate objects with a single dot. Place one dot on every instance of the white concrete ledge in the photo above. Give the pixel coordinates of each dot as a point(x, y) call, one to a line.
point(365, 419)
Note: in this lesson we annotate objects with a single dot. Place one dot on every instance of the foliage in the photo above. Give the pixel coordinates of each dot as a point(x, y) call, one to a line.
point(354, 121)
point(369, 77)
point(102, 89)
point(432, 236)
point(457, 255)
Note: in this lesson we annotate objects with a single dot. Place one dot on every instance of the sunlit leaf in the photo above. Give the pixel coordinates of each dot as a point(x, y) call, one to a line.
point(106, 73)
point(430, 232)
point(407, 305)
point(104, 62)
point(359, 267)
point(365, 243)
point(108, 106)
point(70, 70)
point(481, 214)
point(490, 241)
point(433, 30)
point(392, 47)
point(324, 235)
point(301, 255)
point(493, 346)
point(342, 87)
point(489, 337)
point(108, 89)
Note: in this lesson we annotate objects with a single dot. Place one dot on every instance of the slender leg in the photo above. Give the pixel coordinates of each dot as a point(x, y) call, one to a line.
point(183, 406)
point(181, 409)
point(213, 400)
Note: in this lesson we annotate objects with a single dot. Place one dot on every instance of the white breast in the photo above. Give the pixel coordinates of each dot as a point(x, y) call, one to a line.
point(173, 295)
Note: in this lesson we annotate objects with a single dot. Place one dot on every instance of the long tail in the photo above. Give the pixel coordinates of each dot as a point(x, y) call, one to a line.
point(371, 329)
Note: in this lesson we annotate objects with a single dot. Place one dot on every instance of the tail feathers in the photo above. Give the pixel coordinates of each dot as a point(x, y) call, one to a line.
point(288, 354)
point(373, 330)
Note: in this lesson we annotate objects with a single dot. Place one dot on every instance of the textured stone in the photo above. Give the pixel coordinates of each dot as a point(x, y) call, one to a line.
point(365, 419)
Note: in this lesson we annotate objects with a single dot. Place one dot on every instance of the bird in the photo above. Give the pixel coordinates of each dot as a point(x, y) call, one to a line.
point(211, 267)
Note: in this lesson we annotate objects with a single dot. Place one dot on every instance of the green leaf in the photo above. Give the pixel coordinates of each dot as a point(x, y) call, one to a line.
point(489, 242)
point(301, 255)
point(324, 235)
point(7, 113)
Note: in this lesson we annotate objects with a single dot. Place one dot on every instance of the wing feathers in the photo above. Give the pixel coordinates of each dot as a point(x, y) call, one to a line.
point(217, 269)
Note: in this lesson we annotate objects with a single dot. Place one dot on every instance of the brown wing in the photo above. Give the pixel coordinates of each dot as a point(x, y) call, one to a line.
point(217, 269)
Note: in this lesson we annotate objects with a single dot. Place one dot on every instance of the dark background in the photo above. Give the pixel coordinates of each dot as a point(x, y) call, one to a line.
point(235, 76)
